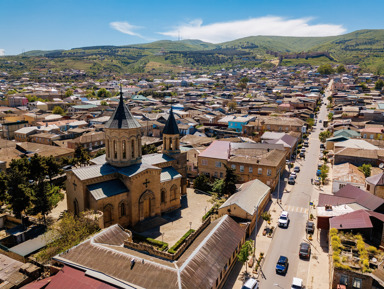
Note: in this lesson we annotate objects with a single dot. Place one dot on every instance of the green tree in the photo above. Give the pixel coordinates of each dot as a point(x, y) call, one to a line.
point(218, 187)
point(324, 173)
point(81, 156)
point(243, 82)
point(310, 122)
point(232, 105)
point(58, 110)
point(230, 181)
point(340, 69)
point(202, 183)
point(53, 167)
point(366, 169)
point(68, 93)
point(148, 149)
point(103, 103)
point(325, 69)
point(324, 135)
point(379, 84)
point(3, 187)
point(330, 116)
point(69, 232)
point(245, 251)
point(103, 93)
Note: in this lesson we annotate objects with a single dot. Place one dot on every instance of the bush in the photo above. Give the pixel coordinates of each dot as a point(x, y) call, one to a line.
point(162, 246)
point(372, 250)
point(336, 258)
point(207, 214)
point(181, 241)
point(333, 232)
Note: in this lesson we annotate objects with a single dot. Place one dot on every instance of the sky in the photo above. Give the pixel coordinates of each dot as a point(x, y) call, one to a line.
point(64, 24)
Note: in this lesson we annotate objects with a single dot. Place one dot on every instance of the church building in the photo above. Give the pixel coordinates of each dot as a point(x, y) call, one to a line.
point(124, 185)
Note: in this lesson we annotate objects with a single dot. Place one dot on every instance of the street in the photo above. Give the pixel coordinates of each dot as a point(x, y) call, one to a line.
point(295, 200)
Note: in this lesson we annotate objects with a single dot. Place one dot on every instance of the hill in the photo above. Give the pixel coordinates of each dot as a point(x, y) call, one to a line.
point(363, 47)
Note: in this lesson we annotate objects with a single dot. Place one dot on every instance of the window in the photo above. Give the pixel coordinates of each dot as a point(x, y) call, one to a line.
point(124, 148)
point(218, 164)
point(268, 127)
point(162, 196)
point(250, 169)
point(269, 172)
point(357, 283)
point(365, 136)
point(114, 149)
point(344, 280)
point(204, 162)
point(122, 209)
point(233, 167)
point(368, 187)
point(241, 169)
point(260, 171)
point(371, 136)
point(286, 128)
point(133, 148)
point(215, 175)
point(221, 175)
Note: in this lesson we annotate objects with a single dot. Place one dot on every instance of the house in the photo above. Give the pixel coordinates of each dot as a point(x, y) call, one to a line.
point(347, 173)
point(9, 128)
point(375, 185)
point(111, 257)
point(241, 205)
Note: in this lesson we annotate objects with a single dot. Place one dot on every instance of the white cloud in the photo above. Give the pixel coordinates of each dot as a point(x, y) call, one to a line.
point(269, 25)
point(126, 28)
point(2, 52)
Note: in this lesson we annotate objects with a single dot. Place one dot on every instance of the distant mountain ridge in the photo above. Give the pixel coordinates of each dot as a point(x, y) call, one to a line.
point(362, 47)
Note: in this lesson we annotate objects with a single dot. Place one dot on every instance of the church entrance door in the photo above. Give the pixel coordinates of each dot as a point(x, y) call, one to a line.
point(147, 208)
point(147, 205)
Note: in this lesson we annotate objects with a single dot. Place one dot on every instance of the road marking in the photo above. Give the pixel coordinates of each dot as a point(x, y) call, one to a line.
point(296, 209)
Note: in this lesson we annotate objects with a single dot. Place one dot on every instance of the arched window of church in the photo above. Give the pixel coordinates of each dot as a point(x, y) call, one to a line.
point(114, 149)
point(76, 207)
point(108, 149)
point(173, 192)
point(133, 148)
point(108, 214)
point(124, 148)
point(170, 143)
point(163, 196)
point(122, 210)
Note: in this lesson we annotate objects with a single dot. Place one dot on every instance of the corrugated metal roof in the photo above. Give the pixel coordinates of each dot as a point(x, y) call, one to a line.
point(107, 189)
point(248, 195)
point(217, 150)
point(154, 159)
point(90, 172)
point(363, 198)
point(355, 220)
point(169, 173)
point(28, 247)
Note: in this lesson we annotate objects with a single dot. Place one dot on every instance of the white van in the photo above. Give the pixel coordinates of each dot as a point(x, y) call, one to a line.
point(251, 284)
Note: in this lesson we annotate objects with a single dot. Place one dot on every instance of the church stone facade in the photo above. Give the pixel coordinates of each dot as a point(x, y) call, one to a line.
point(126, 186)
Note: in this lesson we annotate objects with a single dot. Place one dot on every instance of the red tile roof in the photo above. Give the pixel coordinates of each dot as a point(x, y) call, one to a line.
point(355, 220)
point(217, 150)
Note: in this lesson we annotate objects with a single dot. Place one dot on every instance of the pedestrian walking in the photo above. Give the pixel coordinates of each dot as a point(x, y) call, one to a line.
point(311, 181)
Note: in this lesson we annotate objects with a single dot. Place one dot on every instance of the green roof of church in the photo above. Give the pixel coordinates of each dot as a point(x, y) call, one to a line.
point(122, 117)
point(107, 189)
point(171, 125)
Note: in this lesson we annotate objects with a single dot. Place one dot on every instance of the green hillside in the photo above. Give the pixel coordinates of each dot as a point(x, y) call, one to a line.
point(364, 47)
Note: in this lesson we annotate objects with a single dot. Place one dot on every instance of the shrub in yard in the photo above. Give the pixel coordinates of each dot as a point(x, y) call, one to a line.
point(180, 242)
point(372, 250)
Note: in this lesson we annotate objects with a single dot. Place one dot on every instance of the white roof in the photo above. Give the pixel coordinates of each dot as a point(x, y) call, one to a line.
point(336, 211)
point(357, 143)
point(297, 281)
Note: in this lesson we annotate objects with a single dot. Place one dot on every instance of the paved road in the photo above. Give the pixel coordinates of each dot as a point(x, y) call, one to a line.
point(286, 241)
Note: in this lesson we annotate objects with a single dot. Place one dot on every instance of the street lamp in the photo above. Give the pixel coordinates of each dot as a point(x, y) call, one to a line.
point(190, 225)
point(162, 237)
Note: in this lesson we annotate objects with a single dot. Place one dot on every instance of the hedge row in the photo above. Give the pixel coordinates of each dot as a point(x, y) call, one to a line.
point(207, 214)
point(181, 241)
point(161, 245)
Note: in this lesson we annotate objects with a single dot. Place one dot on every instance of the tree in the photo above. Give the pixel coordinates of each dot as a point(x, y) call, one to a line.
point(218, 187)
point(53, 167)
point(68, 92)
point(58, 110)
point(230, 181)
point(324, 135)
point(148, 149)
point(323, 173)
point(232, 105)
point(340, 69)
point(243, 82)
point(330, 116)
point(103, 93)
point(69, 232)
point(245, 251)
point(81, 156)
point(379, 84)
point(202, 183)
point(325, 69)
point(310, 122)
point(366, 169)
point(103, 103)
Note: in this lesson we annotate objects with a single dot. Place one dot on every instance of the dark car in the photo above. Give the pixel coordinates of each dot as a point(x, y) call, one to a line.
point(296, 169)
point(322, 146)
point(305, 250)
point(302, 154)
point(291, 180)
point(318, 173)
point(282, 265)
point(310, 227)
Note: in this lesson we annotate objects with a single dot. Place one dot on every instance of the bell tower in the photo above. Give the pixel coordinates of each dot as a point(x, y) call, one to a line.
point(171, 136)
point(122, 137)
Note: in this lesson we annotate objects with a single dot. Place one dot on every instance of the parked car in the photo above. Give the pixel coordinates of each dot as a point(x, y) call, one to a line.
point(310, 227)
point(305, 250)
point(293, 174)
point(321, 128)
point(296, 169)
point(297, 283)
point(291, 181)
point(302, 154)
point(303, 150)
point(251, 283)
point(282, 265)
point(306, 144)
point(318, 173)
point(284, 219)
point(320, 121)
point(322, 146)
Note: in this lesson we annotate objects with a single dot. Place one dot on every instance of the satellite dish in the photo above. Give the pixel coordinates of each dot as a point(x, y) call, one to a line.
point(381, 166)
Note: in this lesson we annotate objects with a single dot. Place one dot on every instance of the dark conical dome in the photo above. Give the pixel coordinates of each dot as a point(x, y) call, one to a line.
point(171, 125)
point(122, 117)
